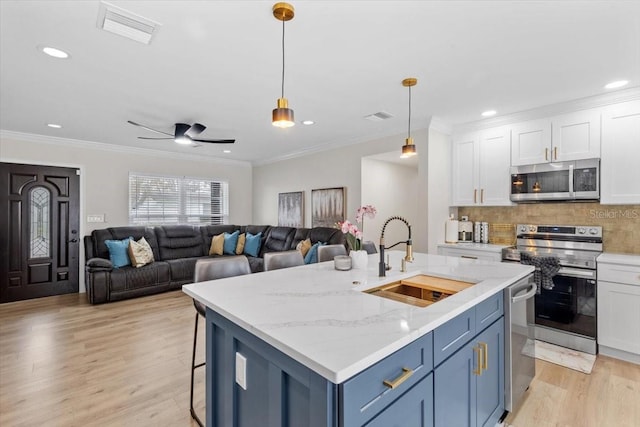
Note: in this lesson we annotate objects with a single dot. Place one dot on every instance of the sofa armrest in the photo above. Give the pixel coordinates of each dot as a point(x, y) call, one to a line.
point(99, 264)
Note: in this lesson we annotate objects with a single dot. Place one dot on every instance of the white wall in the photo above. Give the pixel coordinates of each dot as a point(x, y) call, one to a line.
point(105, 174)
point(392, 189)
point(340, 167)
point(439, 184)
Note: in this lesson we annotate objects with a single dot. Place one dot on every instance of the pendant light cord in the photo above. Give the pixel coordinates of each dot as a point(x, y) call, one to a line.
point(409, 130)
point(282, 89)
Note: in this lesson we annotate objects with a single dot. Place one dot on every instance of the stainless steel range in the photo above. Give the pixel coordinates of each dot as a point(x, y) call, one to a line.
point(565, 312)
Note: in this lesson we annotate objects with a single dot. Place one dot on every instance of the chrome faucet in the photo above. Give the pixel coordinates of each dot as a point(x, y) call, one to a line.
point(382, 266)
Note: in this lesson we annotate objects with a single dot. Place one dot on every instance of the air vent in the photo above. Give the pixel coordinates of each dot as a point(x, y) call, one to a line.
point(379, 116)
point(126, 24)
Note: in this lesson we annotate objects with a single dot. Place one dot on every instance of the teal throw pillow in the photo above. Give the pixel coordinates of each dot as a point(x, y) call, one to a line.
point(252, 244)
point(230, 243)
point(119, 252)
point(312, 256)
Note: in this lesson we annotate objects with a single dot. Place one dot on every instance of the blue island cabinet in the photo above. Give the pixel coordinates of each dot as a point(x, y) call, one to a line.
point(453, 376)
point(469, 383)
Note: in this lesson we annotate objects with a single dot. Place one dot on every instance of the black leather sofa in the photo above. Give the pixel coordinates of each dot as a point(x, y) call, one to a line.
point(176, 248)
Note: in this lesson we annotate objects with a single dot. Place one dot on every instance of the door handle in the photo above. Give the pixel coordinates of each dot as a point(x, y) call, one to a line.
point(531, 291)
point(485, 355)
point(475, 195)
point(468, 257)
point(478, 352)
point(546, 154)
point(73, 241)
point(482, 195)
point(555, 153)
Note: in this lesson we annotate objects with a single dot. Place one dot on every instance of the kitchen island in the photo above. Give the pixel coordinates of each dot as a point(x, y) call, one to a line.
point(305, 346)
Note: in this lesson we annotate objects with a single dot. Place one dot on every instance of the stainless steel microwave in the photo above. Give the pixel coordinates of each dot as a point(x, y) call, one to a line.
point(576, 180)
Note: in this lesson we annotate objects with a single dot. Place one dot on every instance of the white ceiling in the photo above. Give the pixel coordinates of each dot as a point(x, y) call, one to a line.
point(219, 63)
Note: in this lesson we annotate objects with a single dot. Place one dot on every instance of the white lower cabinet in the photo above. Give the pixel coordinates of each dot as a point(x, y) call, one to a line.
point(619, 310)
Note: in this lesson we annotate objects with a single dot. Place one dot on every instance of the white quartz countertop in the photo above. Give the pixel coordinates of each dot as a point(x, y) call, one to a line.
point(621, 259)
point(487, 247)
point(320, 317)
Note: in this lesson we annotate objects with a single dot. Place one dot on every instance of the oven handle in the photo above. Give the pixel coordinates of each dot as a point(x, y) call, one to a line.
point(576, 272)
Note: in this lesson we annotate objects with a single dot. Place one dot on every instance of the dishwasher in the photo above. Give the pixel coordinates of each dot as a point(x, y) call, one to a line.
point(520, 367)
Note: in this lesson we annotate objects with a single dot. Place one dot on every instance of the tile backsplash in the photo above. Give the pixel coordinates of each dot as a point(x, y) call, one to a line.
point(620, 223)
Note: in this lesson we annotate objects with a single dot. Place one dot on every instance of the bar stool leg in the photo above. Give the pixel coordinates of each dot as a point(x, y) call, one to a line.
point(193, 368)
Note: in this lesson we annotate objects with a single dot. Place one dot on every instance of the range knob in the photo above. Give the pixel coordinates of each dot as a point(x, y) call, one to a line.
point(523, 228)
point(582, 230)
point(593, 231)
point(532, 228)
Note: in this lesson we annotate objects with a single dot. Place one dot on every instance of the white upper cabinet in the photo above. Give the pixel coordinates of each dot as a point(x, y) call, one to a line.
point(481, 163)
point(530, 142)
point(573, 136)
point(619, 165)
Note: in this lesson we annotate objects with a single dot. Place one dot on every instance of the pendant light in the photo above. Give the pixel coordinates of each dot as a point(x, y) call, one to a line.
point(409, 148)
point(283, 116)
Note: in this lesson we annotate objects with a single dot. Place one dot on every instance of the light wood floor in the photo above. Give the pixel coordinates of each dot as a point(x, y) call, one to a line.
point(66, 363)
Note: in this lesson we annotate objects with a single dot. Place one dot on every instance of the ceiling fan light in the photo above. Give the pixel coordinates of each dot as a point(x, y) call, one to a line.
point(183, 140)
point(282, 116)
point(408, 149)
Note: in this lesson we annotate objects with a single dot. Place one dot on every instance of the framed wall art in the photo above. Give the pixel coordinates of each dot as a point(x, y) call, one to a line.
point(291, 209)
point(327, 206)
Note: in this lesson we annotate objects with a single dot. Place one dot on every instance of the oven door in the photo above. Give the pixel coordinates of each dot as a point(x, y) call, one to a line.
point(571, 304)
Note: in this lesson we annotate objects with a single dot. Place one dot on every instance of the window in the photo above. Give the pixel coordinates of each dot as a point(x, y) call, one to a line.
point(156, 199)
point(39, 222)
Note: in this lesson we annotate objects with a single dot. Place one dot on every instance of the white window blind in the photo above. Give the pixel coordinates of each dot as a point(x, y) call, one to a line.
point(157, 199)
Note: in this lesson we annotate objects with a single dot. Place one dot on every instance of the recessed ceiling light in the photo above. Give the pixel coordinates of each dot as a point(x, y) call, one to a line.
point(54, 125)
point(226, 151)
point(308, 122)
point(52, 51)
point(489, 113)
point(616, 84)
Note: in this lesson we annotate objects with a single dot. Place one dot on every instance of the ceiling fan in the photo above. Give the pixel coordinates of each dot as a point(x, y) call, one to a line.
point(184, 134)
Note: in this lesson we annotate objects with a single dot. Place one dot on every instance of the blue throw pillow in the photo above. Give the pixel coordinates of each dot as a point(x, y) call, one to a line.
point(252, 244)
point(312, 256)
point(230, 243)
point(119, 252)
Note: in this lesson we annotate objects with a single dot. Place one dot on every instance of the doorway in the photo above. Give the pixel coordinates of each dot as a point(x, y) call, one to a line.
point(39, 226)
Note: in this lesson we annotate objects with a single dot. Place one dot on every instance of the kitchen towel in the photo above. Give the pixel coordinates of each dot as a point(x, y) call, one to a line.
point(546, 268)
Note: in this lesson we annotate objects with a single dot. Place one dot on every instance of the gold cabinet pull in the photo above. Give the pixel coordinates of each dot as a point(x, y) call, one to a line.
point(475, 195)
point(546, 154)
point(478, 352)
point(555, 153)
point(482, 195)
point(406, 373)
point(485, 355)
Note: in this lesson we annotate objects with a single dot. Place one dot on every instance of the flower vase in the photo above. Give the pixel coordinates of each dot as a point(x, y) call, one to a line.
point(359, 259)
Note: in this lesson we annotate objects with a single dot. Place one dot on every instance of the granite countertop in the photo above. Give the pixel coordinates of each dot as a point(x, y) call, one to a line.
point(487, 247)
point(622, 259)
point(320, 317)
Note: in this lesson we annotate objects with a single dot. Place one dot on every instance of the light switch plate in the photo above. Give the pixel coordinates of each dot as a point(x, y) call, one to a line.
point(241, 370)
point(95, 218)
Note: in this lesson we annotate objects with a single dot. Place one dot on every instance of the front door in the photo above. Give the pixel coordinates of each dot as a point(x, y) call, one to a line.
point(39, 240)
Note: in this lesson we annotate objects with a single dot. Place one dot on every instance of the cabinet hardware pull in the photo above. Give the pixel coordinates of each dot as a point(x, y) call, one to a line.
point(482, 195)
point(546, 154)
point(406, 373)
point(485, 358)
point(555, 153)
point(468, 256)
point(475, 195)
point(478, 352)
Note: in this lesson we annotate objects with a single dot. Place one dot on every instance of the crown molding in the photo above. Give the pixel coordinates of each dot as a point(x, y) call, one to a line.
point(76, 143)
point(630, 94)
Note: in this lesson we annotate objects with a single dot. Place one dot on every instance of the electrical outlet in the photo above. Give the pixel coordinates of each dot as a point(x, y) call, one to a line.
point(95, 218)
point(241, 371)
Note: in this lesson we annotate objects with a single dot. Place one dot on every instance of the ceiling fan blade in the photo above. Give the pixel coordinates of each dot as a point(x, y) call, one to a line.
point(146, 137)
point(181, 130)
point(216, 141)
point(195, 130)
point(148, 128)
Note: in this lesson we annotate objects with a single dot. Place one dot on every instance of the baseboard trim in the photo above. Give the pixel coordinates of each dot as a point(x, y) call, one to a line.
point(619, 354)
